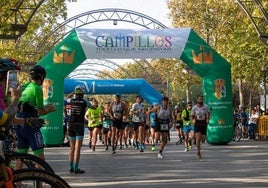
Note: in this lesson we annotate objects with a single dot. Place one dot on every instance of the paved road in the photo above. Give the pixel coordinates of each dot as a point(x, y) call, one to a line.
point(238, 164)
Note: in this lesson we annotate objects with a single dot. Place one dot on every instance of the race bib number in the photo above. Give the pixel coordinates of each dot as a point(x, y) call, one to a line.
point(164, 127)
point(106, 124)
point(117, 115)
point(137, 119)
point(200, 117)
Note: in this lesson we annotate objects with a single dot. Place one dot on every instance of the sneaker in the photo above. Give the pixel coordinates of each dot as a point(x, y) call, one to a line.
point(153, 148)
point(160, 155)
point(141, 150)
point(94, 148)
point(113, 152)
point(79, 171)
point(121, 147)
point(106, 148)
point(190, 144)
point(89, 145)
point(186, 149)
point(71, 170)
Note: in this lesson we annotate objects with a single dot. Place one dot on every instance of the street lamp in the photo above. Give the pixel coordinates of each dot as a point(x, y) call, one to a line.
point(264, 71)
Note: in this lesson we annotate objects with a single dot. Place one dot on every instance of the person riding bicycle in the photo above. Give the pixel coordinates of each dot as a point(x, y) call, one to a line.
point(5, 66)
point(31, 105)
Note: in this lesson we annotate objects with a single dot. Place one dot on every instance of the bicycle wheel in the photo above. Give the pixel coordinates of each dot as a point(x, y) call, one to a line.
point(238, 135)
point(28, 160)
point(37, 177)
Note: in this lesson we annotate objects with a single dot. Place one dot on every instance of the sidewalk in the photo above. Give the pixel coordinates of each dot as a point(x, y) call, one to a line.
point(238, 164)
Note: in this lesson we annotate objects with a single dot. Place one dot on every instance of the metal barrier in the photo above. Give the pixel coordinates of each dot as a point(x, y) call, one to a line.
point(262, 129)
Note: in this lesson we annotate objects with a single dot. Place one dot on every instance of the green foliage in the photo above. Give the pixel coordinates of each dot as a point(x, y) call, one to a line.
point(226, 27)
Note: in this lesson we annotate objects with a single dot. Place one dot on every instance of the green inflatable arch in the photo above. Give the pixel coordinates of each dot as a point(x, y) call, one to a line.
point(184, 43)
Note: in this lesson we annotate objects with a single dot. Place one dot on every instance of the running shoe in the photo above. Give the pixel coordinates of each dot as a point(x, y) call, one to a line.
point(71, 170)
point(160, 155)
point(79, 171)
point(113, 152)
point(152, 148)
point(190, 144)
point(106, 148)
point(186, 149)
point(94, 148)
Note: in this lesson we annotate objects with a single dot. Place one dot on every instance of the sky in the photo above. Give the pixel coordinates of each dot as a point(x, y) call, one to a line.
point(156, 9)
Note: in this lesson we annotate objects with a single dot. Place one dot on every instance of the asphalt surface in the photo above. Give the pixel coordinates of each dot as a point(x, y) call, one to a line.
point(238, 164)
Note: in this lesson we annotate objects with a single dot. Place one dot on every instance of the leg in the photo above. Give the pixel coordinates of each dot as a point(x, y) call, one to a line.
point(163, 143)
point(198, 143)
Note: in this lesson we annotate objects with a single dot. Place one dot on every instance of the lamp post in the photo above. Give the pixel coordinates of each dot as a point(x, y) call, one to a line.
point(264, 71)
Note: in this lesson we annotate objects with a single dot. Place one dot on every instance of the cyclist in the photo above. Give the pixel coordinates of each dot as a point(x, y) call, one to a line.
point(5, 66)
point(31, 105)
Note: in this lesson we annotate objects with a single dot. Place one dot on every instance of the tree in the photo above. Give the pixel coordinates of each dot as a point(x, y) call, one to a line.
point(227, 29)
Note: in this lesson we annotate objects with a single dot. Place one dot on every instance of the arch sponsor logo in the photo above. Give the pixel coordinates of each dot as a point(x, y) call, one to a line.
point(64, 56)
point(219, 88)
point(47, 89)
point(202, 57)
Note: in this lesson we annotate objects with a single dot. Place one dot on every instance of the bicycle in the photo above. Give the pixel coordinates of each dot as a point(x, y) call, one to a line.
point(29, 177)
point(238, 130)
point(11, 156)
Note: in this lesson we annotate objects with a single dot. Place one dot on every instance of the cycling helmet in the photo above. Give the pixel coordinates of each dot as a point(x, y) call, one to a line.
point(38, 72)
point(8, 64)
point(79, 90)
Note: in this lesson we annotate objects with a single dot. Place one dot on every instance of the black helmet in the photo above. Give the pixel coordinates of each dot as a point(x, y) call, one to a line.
point(38, 72)
point(8, 64)
point(79, 90)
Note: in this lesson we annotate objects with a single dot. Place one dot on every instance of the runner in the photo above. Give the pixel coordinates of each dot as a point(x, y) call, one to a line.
point(118, 109)
point(188, 127)
point(107, 121)
point(178, 123)
point(93, 115)
point(138, 113)
point(163, 120)
point(151, 121)
point(200, 116)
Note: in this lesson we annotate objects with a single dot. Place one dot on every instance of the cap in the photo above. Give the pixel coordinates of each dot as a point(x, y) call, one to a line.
point(165, 98)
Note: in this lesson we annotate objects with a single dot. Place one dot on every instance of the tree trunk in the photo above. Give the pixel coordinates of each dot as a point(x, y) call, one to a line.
point(241, 99)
